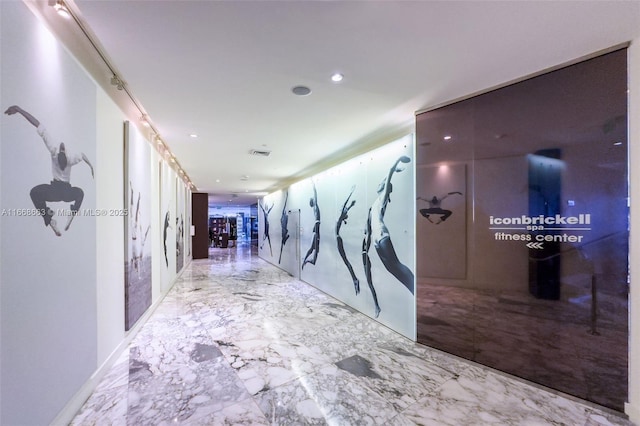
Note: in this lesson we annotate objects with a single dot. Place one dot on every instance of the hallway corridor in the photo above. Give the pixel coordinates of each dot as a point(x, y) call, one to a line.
point(239, 341)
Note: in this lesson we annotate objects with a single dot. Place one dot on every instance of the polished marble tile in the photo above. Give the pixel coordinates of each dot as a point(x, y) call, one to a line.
point(108, 405)
point(238, 341)
point(329, 396)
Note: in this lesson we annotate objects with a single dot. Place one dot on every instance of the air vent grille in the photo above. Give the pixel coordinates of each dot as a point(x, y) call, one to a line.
point(260, 152)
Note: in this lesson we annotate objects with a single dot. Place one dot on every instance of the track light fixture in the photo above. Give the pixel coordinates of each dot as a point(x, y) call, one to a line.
point(115, 81)
point(60, 8)
point(63, 10)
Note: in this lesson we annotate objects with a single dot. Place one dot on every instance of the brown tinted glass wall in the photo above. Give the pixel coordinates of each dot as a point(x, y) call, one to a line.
point(522, 229)
point(200, 213)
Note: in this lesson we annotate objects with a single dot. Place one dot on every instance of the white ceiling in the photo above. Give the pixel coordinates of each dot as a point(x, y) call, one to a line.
point(225, 69)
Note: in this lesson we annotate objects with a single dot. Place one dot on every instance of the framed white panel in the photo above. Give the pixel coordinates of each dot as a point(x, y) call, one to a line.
point(167, 213)
point(138, 268)
point(180, 225)
point(390, 190)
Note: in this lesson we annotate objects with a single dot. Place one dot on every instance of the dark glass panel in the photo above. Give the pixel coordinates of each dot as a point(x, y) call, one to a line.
point(532, 186)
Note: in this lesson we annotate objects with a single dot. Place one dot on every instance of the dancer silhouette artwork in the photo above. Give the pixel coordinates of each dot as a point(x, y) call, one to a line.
point(59, 189)
point(265, 214)
point(377, 231)
point(284, 223)
point(342, 219)
point(165, 234)
point(312, 253)
point(137, 239)
point(435, 208)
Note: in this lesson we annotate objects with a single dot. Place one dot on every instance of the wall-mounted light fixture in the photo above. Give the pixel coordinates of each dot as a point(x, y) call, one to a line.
point(64, 10)
point(115, 81)
point(61, 8)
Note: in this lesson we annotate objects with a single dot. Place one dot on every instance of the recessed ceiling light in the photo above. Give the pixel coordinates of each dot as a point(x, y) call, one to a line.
point(193, 135)
point(217, 180)
point(337, 77)
point(301, 90)
point(447, 138)
point(617, 143)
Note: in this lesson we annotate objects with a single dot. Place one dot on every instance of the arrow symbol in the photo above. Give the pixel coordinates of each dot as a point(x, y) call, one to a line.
point(533, 245)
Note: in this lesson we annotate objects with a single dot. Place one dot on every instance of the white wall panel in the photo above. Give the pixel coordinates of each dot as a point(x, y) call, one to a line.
point(356, 181)
point(48, 282)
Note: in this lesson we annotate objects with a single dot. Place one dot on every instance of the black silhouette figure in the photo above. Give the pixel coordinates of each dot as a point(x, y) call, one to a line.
point(342, 219)
point(366, 261)
point(284, 221)
point(266, 236)
point(435, 208)
point(167, 225)
point(315, 243)
point(60, 188)
point(378, 231)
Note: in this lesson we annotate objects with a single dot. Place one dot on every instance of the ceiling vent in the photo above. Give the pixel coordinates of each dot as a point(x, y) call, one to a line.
point(260, 152)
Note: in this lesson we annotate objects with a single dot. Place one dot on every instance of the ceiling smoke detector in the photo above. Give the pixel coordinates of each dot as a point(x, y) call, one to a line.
point(260, 152)
point(301, 90)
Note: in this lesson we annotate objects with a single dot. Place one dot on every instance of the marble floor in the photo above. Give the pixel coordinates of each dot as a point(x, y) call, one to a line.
point(238, 341)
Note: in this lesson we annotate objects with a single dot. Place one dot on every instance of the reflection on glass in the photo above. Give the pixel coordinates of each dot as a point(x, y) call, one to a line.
point(529, 273)
point(545, 187)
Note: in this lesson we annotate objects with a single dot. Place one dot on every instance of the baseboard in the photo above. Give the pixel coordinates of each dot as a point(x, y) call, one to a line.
point(633, 411)
point(66, 415)
point(74, 405)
